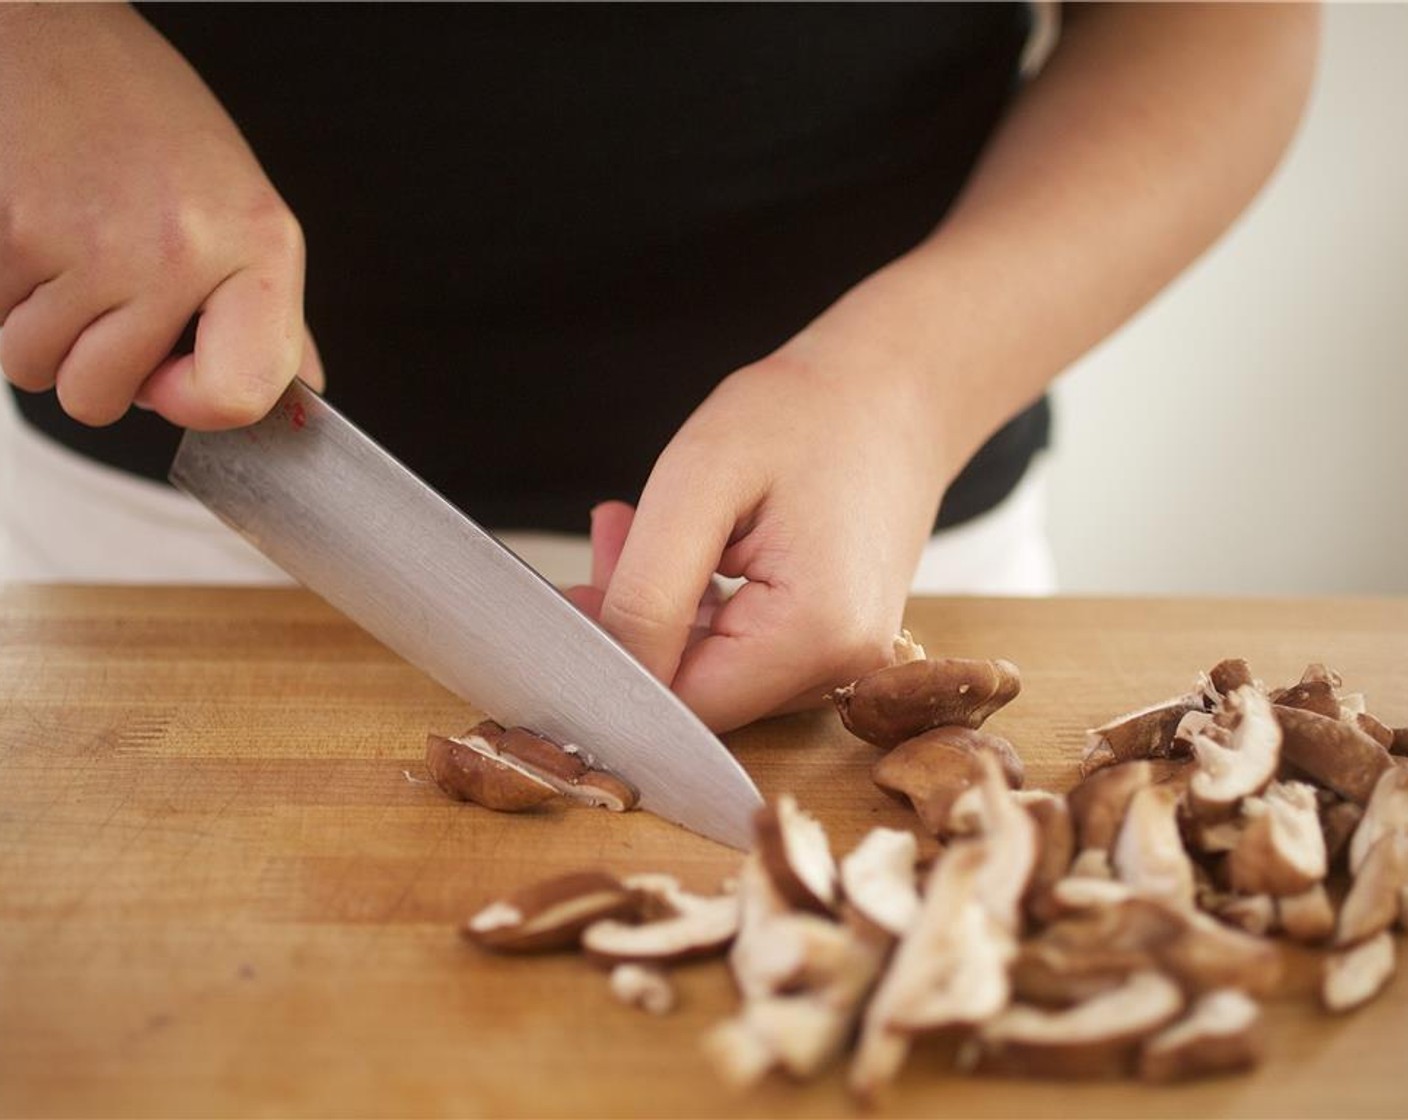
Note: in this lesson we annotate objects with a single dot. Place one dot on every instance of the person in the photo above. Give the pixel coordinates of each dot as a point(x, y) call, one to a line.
point(786, 283)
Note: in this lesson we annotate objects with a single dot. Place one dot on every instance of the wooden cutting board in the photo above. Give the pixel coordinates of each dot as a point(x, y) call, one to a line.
point(226, 887)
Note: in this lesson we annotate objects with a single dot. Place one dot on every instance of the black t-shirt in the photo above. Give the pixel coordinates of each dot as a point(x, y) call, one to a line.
point(539, 235)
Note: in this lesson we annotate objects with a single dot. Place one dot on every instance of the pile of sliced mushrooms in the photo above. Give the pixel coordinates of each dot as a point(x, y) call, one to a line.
point(1127, 928)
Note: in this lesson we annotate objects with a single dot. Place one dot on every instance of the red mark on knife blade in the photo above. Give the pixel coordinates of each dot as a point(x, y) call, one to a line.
point(297, 416)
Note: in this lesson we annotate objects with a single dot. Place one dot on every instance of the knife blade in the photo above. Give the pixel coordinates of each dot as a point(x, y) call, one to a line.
point(337, 512)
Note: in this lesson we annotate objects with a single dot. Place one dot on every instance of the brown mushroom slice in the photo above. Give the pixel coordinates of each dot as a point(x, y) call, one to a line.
point(1056, 969)
point(702, 925)
point(566, 771)
point(1097, 1038)
point(1244, 764)
point(1281, 850)
point(1308, 918)
point(896, 703)
point(1399, 746)
point(933, 769)
point(1375, 898)
point(1098, 804)
point(1220, 1034)
point(1380, 732)
point(1206, 955)
point(1148, 852)
point(797, 855)
point(1316, 696)
point(603, 790)
point(1055, 845)
point(1332, 753)
point(1250, 913)
point(1145, 733)
point(1386, 812)
point(1338, 823)
point(469, 768)
point(1354, 977)
point(879, 878)
point(541, 756)
point(550, 914)
point(1227, 676)
point(642, 986)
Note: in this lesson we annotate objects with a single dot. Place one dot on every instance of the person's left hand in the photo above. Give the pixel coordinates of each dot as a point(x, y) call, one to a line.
point(818, 484)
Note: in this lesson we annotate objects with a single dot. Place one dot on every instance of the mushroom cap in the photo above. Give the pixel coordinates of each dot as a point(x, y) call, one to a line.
point(469, 769)
point(1145, 733)
point(604, 790)
point(898, 702)
point(541, 755)
point(1332, 753)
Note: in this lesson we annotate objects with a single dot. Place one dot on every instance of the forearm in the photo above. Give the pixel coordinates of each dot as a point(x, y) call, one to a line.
point(1149, 130)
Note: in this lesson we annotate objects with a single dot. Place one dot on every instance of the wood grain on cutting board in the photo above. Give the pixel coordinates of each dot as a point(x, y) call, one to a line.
point(226, 888)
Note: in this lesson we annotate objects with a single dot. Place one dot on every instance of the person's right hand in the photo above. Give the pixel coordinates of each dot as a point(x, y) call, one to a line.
point(129, 204)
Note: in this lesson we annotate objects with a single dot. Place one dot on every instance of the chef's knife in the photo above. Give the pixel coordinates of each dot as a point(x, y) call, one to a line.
point(338, 513)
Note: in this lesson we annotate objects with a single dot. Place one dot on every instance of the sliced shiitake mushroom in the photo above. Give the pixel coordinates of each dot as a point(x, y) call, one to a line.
point(1097, 1038)
point(693, 926)
point(1146, 733)
point(896, 703)
point(1236, 758)
point(469, 768)
point(1148, 852)
point(1332, 753)
point(550, 914)
point(1355, 976)
point(1220, 1034)
point(1281, 850)
point(879, 878)
point(796, 854)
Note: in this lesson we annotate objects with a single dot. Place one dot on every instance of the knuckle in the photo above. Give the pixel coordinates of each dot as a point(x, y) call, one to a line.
point(277, 230)
point(244, 402)
point(177, 240)
point(636, 609)
point(19, 363)
point(94, 409)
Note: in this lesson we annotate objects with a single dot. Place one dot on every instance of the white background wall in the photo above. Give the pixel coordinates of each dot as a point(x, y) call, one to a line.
point(1248, 432)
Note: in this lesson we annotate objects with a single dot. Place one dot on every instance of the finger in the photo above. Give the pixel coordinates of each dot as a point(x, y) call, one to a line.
point(750, 663)
point(111, 359)
point(310, 367)
point(40, 331)
point(586, 599)
point(680, 529)
point(250, 344)
point(611, 523)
